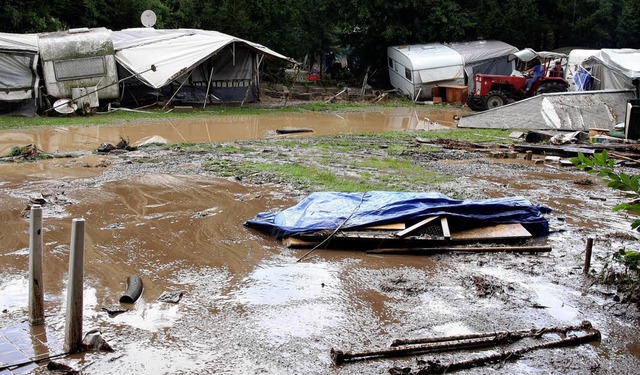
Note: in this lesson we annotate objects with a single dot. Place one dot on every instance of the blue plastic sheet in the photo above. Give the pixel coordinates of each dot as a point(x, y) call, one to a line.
point(332, 210)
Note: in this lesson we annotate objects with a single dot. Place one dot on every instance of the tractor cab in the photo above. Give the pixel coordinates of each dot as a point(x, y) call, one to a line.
point(491, 91)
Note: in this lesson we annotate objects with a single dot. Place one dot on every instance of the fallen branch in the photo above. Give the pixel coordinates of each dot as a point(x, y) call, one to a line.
point(336, 95)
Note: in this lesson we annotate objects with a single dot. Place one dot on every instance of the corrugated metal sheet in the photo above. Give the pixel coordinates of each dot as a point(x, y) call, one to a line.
point(570, 111)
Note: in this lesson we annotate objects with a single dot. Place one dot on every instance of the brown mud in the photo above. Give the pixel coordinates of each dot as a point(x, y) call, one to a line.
point(248, 305)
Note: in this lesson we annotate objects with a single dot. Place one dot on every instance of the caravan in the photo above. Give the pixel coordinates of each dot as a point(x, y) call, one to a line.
point(414, 70)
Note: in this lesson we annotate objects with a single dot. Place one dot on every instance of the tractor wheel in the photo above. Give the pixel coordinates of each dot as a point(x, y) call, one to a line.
point(495, 99)
point(548, 87)
point(475, 103)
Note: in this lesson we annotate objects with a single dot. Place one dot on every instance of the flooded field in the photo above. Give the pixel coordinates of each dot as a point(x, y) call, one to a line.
point(248, 306)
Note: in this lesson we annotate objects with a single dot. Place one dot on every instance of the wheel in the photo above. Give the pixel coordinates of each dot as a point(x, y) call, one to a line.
point(548, 87)
point(495, 99)
point(475, 103)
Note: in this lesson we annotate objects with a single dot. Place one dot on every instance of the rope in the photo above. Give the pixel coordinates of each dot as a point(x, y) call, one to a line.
point(335, 231)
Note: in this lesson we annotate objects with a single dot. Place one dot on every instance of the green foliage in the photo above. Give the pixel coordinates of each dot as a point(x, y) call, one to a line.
point(630, 258)
point(603, 167)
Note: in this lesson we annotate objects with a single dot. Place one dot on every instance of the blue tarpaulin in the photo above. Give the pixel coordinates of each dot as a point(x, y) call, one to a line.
point(332, 210)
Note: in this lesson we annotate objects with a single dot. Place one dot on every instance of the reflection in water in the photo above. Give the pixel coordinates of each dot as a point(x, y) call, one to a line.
point(292, 299)
point(226, 128)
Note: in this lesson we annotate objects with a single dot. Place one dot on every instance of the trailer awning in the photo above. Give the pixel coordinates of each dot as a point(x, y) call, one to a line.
point(173, 53)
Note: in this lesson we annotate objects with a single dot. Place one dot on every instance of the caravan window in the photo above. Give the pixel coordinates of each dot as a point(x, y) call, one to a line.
point(67, 70)
point(390, 62)
point(407, 73)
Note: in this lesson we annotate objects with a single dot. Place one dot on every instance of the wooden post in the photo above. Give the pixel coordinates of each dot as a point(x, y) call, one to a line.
point(36, 289)
point(73, 326)
point(587, 256)
point(528, 155)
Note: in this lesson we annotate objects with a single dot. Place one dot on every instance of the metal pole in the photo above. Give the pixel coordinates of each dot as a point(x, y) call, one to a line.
point(36, 289)
point(73, 326)
point(587, 256)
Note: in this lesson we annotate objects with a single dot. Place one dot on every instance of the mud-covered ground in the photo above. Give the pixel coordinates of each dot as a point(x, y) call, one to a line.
point(174, 214)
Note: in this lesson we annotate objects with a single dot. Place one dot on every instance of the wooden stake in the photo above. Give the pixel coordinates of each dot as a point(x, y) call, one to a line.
point(36, 288)
point(73, 326)
point(587, 256)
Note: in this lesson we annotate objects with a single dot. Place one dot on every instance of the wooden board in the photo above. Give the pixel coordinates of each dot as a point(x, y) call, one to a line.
point(493, 232)
point(445, 228)
point(430, 250)
point(297, 243)
point(393, 226)
point(415, 227)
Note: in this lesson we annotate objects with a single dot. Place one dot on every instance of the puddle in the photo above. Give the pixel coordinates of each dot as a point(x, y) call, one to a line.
point(226, 128)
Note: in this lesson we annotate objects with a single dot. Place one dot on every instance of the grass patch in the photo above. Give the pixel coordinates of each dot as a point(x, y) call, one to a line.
point(324, 179)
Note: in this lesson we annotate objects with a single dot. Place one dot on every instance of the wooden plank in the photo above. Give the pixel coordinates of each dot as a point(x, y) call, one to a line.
point(445, 228)
point(492, 232)
point(392, 226)
point(414, 227)
point(297, 243)
point(428, 250)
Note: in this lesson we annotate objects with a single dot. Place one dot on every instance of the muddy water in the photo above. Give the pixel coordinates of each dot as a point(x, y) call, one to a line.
point(250, 308)
point(227, 128)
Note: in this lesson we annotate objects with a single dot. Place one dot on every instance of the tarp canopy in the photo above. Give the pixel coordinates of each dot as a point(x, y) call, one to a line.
point(528, 54)
point(18, 72)
point(18, 42)
point(172, 53)
point(480, 50)
point(333, 210)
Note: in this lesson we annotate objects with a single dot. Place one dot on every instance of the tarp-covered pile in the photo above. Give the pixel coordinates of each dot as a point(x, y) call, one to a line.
point(333, 210)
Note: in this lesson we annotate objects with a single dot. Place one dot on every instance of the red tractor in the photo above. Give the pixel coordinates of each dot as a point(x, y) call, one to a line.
point(491, 91)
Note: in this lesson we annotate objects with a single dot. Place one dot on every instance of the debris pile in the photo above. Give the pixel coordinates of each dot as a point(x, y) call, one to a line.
point(380, 221)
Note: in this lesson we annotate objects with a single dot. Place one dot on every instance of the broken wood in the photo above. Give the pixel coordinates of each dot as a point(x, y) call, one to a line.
point(416, 226)
point(492, 232)
point(393, 226)
point(427, 250)
point(297, 243)
point(293, 130)
point(336, 95)
point(445, 228)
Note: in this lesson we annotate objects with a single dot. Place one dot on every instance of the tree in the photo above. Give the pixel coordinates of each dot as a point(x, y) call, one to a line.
point(628, 28)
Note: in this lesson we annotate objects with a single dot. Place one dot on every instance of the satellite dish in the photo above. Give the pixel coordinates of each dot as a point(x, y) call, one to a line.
point(65, 106)
point(148, 18)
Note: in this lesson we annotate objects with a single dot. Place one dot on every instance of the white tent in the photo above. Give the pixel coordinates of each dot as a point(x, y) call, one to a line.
point(614, 69)
point(18, 72)
point(197, 58)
